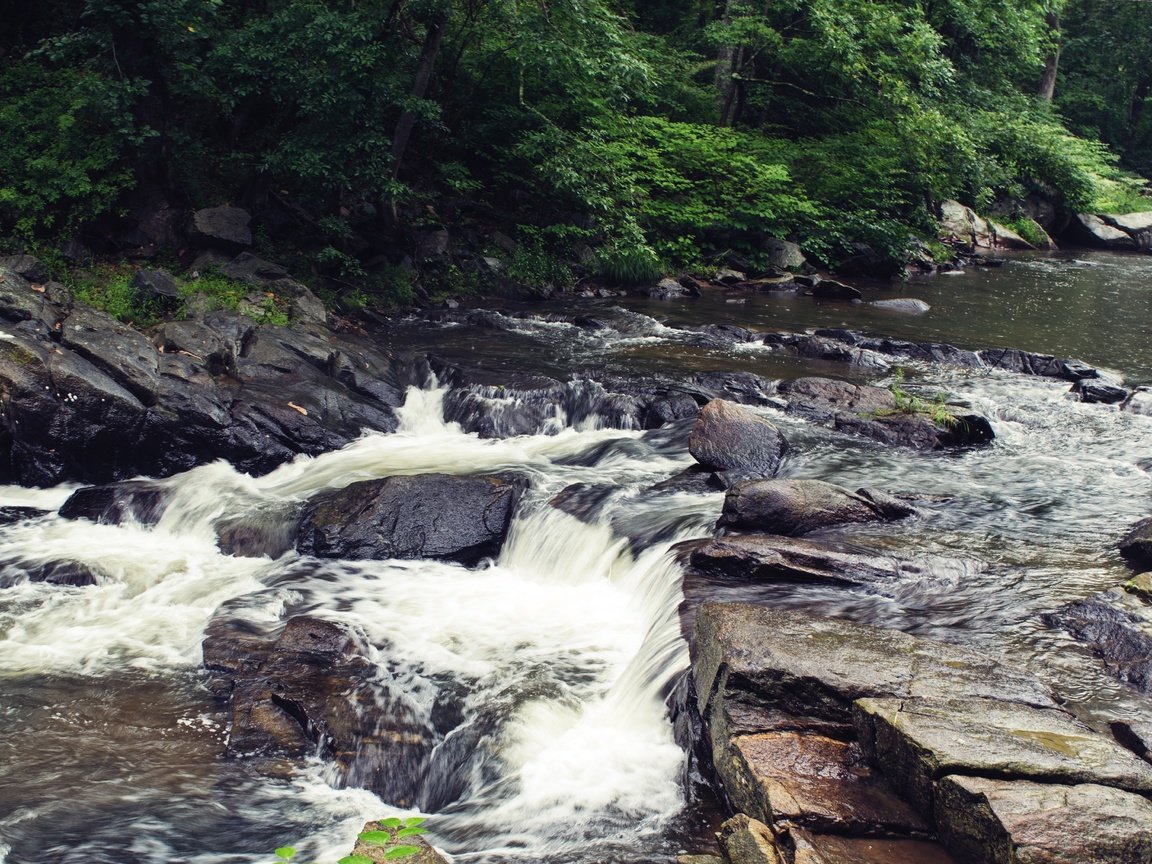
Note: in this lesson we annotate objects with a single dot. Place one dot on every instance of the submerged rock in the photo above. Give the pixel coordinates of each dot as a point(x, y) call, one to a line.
point(1136, 546)
point(140, 501)
point(794, 507)
point(736, 442)
point(907, 305)
point(462, 519)
point(1117, 627)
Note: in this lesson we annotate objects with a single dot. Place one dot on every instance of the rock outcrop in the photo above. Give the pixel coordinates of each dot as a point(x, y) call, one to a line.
point(795, 507)
point(461, 519)
point(837, 742)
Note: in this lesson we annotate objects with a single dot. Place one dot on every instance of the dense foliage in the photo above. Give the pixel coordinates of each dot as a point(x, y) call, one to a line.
point(625, 135)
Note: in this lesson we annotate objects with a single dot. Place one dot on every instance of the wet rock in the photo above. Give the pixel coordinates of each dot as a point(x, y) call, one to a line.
point(127, 356)
point(907, 305)
point(1044, 365)
point(920, 739)
point(736, 442)
point(759, 669)
point(744, 388)
point(989, 821)
point(223, 227)
point(749, 841)
point(139, 501)
point(1136, 546)
point(269, 532)
point(830, 849)
point(728, 276)
point(1139, 401)
point(1093, 391)
point(310, 688)
point(19, 301)
point(829, 289)
point(795, 507)
point(874, 413)
point(668, 289)
point(792, 780)
point(1141, 586)
point(76, 574)
point(770, 558)
point(254, 270)
point(1136, 735)
point(1117, 627)
point(11, 515)
point(378, 852)
point(463, 519)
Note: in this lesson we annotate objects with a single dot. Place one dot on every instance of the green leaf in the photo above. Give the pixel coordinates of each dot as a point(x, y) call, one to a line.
point(402, 851)
point(413, 821)
point(376, 838)
point(285, 852)
point(391, 822)
point(409, 832)
point(355, 859)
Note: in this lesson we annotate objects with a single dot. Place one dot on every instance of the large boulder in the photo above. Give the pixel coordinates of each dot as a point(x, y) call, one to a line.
point(308, 687)
point(991, 821)
point(462, 519)
point(139, 501)
point(783, 254)
point(1088, 230)
point(736, 442)
point(223, 227)
point(795, 507)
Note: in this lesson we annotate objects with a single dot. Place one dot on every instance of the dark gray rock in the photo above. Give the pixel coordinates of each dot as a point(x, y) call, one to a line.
point(125, 355)
point(1086, 229)
point(783, 254)
point(829, 289)
point(427, 516)
point(269, 531)
point(1139, 401)
point(223, 227)
point(795, 507)
point(254, 270)
point(28, 266)
point(735, 441)
point(157, 289)
point(1136, 545)
point(12, 515)
point(989, 821)
point(139, 501)
point(74, 574)
point(1093, 391)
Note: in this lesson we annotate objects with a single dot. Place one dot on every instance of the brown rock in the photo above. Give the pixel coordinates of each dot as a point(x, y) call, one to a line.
point(825, 849)
point(379, 852)
point(748, 841)
point(809, 781)
point(794, 507)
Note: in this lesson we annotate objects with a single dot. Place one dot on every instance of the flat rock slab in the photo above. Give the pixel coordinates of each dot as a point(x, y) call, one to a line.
point(831, 849)
point(765, 557)
point(920, 740)
point(794, 507)
point(1003, 822)
point(792, 780)
point(462, 519)
point(779, 670)
point(1117, 627)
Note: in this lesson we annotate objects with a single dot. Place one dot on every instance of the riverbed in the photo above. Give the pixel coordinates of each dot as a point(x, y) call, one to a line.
point(567, 645)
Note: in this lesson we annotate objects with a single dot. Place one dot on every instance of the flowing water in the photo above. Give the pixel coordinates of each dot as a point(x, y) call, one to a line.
point(566, 646)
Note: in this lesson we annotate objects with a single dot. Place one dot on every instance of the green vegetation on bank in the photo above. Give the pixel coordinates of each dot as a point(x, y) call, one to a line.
point(602, 137)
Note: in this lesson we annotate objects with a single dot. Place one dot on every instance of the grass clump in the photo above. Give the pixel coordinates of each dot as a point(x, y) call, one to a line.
point(909, 404)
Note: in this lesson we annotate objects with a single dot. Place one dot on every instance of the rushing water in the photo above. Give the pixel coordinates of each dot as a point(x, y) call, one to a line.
point(113, 751)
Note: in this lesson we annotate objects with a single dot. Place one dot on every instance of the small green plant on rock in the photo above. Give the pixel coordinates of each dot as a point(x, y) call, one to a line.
point(390, 837)
point(907, 403)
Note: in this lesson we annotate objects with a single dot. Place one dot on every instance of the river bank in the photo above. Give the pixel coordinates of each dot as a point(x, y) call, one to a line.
point(618, 428)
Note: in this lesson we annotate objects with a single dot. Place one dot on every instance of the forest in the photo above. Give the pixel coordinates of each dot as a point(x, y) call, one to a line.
point(569, 138)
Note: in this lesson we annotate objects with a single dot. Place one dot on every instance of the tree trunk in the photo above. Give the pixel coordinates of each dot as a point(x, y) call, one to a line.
point(420, 82)
point(1047, 88)
point(728, 62)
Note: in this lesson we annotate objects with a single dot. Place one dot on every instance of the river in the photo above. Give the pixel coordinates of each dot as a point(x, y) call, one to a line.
point(113, 749)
